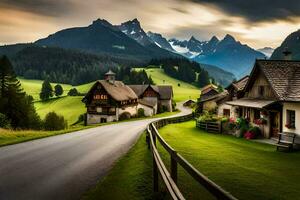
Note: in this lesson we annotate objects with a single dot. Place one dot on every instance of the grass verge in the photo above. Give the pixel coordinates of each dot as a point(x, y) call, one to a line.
point(247, 169)
point(8, 137)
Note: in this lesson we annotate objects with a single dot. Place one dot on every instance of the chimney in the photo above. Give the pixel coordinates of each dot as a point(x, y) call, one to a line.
point(110, 77)
point(287, 54)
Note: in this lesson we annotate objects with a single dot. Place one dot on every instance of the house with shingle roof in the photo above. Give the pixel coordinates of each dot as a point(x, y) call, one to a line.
point(213, 100)
point(108, 100)
point(154, 98)
point(272, 93)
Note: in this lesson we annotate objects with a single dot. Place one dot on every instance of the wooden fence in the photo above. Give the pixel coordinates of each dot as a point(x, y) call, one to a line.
point(213, 127)
point(170, 178)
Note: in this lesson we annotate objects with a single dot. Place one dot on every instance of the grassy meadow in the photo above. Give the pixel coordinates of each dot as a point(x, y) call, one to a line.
point(183, 92)
point(247, 169)
point(72, 107)
point(33, 87)
point(69, 107)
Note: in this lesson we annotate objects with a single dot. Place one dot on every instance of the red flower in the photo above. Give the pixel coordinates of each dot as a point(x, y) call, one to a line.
point(249, 135)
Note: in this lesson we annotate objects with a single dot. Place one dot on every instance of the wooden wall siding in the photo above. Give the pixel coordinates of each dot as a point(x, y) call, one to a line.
point(254, 90)
point(149, 92)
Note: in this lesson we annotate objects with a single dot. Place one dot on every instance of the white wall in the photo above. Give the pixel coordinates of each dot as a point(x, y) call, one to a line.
point(130, 109)
point(96, 119)
point(148, 111)
point(291, 106)
point(167, 103)
point(223, 106)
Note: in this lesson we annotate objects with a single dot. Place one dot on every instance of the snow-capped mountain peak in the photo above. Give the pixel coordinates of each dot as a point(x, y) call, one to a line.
point(134, 30)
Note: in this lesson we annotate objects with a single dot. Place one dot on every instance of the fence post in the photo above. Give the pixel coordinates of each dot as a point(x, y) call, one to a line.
point(174, 168)
point(155, 176)
point(148, 140)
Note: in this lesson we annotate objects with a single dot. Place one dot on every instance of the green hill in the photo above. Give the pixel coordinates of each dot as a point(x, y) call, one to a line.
point(182, 92)
point(72, 107)
point(33, 87)
point(69, 107)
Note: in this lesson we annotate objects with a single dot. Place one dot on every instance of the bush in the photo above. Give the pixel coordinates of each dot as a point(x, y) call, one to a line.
point(124, 116)
point(73, 92)
point(4, 121)
point(208, 117)
point(54, 122)
point(58, 90)
point(255, 130)
point(141, 112)
point(173, 105)
point(80, 119)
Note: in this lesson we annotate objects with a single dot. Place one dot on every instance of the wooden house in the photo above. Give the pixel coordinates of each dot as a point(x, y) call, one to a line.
point(154, 98)
point(108, 99)
point(272, 96)
point(235, 91)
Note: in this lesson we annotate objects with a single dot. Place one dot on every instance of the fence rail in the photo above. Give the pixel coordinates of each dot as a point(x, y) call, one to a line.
point(214, 127)
point(170, 178)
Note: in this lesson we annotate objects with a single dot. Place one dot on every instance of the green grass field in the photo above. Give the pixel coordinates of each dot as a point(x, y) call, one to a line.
point(183, 92)
point(247, 169)
point(33, 87)
point(69, 107)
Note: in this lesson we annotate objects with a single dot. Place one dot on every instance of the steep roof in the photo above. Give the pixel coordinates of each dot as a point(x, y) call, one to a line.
point(240, 84)
point(283, 77)
point(215, 97)
point(209, 88)
point(117, 90)
point(165, 91)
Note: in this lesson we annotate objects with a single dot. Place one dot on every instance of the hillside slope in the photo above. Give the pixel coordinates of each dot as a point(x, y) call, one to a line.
point(182, 92)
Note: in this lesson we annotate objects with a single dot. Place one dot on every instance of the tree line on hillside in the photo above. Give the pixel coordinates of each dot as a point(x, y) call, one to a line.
point(131, 77)
point(16, 107)
point(183, 69)
point(65, 66)
point(47, 91)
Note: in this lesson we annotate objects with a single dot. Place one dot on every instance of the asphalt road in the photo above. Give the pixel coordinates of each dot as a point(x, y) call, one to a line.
point(65, 166)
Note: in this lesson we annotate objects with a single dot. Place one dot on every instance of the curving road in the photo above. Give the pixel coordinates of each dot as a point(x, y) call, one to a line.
point(65, 166)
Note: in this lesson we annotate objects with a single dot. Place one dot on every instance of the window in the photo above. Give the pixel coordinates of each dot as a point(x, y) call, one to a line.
point(261, 90)
point(256, 114)
point(100, 97)
point(290, 119)
point(226, 112)
point(99, 110)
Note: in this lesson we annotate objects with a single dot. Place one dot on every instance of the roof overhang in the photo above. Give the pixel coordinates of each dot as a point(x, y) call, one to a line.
point(251, 103)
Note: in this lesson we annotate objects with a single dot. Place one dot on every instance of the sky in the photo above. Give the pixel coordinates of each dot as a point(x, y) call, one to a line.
point(258, 23)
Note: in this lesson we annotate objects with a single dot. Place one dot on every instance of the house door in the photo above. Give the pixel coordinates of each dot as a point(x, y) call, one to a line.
point(275, 123)
point(103, 120)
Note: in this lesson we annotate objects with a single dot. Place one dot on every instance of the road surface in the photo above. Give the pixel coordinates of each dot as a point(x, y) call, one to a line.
point(65, 166)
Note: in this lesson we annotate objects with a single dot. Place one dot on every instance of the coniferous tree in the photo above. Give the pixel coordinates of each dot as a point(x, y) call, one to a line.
point(46, 91)
point(203, 79)
point(14, 103)
point(58, 90)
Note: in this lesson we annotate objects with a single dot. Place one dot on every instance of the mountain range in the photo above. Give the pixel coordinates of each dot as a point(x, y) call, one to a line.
point(222, 53)
point(225, 59)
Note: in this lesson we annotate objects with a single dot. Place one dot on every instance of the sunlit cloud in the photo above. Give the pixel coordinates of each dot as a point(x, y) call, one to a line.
point(29, 20)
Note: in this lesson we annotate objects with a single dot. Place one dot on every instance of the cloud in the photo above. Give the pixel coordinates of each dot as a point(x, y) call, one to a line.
point(257, 10)
point(43, 7)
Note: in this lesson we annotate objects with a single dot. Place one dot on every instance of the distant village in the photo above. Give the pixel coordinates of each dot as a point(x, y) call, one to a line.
point(110, 100)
